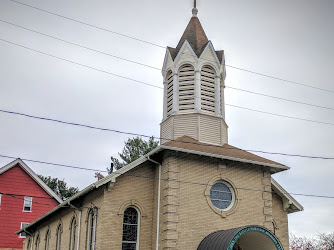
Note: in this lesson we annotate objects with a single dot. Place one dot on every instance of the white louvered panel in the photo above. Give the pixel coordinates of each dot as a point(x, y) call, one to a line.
point(169, 80)
point(186, 89)
point(210, 130)
point(166, 130)
point(185, 125)
point(208, 90)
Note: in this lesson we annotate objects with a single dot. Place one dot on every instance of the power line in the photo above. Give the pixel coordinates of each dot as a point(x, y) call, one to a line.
point(156, 68)
point(160, 46)
point(159, 138)
point(285, 116)
point(80, 46)
point(82, 65)
point(155, 86)
point(34, 196)
point(280, 98)
point(196, 183)
point(53, 164)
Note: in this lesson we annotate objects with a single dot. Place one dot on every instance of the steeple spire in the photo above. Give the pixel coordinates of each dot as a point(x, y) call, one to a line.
point(194, 10)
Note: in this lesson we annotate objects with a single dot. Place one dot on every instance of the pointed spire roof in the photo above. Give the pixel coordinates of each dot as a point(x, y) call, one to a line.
point(195, 35)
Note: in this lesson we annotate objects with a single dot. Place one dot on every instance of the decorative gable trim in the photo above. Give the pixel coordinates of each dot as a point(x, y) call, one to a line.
point(32, 174)
point(164, 70)
point(210, 47)
point(289, 203)
point(181, 52)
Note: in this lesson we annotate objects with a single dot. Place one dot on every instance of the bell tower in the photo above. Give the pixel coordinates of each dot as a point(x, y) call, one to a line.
point(194, 75)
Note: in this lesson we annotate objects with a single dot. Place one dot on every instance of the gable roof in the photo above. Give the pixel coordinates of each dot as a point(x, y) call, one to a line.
point(289, 203)
point(196, 37)
point(176, 146)
point(226, 151)
point(32, 174)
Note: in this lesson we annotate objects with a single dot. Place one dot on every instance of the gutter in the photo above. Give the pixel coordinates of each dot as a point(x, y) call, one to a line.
point(158, 208)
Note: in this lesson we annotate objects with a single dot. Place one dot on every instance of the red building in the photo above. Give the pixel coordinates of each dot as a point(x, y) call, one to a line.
point(23, 198)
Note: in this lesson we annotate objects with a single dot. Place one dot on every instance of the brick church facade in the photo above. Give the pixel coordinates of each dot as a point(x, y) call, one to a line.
point(195, 191)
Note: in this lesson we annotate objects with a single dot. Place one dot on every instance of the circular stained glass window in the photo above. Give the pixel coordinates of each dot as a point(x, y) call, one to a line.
point(222, 195)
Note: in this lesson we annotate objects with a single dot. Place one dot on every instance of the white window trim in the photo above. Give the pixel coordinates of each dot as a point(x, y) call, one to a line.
point(24, 204)
point(20, 236)
point(138, 226)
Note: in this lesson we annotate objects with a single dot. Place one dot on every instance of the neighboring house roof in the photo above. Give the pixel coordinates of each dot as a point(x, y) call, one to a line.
point(196, 37)
point(192, 147)
point(32, 174)
point(289, 203)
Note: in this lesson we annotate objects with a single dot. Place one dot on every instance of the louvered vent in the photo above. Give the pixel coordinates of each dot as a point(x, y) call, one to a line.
point(186, 89)
point(169, 80)
point(208, 90)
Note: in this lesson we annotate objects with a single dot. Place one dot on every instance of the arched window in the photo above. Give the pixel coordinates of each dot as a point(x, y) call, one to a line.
point(130, 229)
point(91, 228)
point(47, 239)
point(72, 233)
point(208, 88)
point(37, 242)
point(58, 242)
point(186, 89)
point(29, 244)
point(169, 82)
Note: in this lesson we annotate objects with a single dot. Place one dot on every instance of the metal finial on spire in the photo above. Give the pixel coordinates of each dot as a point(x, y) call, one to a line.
point(194, 10)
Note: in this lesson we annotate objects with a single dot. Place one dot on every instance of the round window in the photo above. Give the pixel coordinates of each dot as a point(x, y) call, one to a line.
point(222, 195)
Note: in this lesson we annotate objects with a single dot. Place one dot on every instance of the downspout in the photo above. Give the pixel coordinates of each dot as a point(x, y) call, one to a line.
point(158, 208)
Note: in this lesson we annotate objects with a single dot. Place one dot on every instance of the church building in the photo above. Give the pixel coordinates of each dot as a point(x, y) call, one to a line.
point(194, 191)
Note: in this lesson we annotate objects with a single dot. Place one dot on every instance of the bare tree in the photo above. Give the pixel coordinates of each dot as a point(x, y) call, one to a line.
point(320, 242)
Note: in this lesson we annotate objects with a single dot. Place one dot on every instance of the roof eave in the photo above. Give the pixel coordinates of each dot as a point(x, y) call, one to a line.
point(274, 167)
point(285, 195)
point(33, 175)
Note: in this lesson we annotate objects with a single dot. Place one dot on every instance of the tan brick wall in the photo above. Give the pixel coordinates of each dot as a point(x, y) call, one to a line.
point(186, 214)
point(64, 217)
point(281, 221)
point(135, 188)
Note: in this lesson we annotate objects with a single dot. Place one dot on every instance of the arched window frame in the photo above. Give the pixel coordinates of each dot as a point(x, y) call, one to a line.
point(186, 88)
point(169, 92)
point(58, 236)
point(138, 228)
point(91, 228)
point(73, 228)
point(29, 244)
point(208, 89)
point(47, 239)
point(37, 241)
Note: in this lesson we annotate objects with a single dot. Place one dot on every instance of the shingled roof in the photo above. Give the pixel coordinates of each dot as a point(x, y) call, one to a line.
point(188, 143)
point(196, 37)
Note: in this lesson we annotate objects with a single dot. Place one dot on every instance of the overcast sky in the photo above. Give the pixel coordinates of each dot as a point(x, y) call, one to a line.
point(287, 39)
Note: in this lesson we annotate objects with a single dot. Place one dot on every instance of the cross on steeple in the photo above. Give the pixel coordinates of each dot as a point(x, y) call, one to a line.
point(194, 10)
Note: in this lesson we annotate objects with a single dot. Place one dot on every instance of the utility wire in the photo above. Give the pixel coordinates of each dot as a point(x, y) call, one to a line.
point(80, 46)
point(280, 98)
point(159, 138)
point(82, 65)
point(199, 183)
point(49, 163)
point(155, 86)
point(160, 46)
point(156, 68)
point(34, 196)
point(285, 116)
